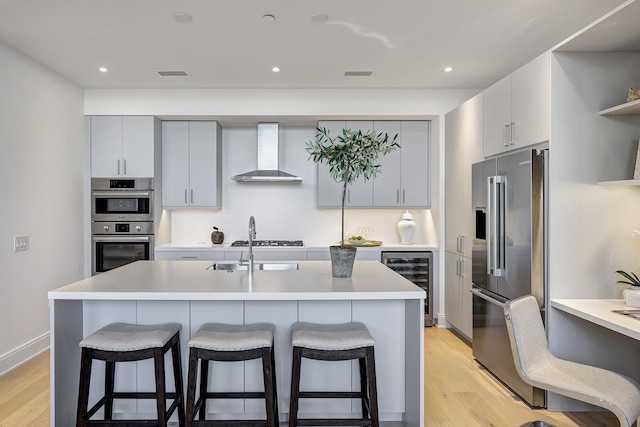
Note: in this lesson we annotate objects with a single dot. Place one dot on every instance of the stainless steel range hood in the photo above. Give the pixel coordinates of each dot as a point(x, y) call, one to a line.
point(267, 159)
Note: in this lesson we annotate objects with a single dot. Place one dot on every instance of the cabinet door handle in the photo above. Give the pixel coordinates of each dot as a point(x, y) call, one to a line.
point(403, 197)
point(192, 195)
point(511, 126)
point(348, 196)
point(505, 132)
point(118, 166)
point(398, 196)
point(185, 196)
point(124, 167)
point(461, 268)
point(188, 257)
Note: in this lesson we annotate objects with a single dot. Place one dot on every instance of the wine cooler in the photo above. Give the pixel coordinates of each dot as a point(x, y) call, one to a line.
point(418, 268)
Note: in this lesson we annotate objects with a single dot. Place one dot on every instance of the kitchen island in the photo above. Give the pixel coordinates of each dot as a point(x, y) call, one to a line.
point(147, 292)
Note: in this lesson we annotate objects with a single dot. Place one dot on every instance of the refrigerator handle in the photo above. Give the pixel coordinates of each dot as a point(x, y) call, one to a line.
point(496, 225)
point(489, 225)
point(501, 221)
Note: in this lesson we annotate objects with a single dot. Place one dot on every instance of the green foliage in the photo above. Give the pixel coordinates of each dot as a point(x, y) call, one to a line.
point(632, 278)
point(349, 156)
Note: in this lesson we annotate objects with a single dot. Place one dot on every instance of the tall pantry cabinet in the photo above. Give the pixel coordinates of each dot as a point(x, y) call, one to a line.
point(463, 147)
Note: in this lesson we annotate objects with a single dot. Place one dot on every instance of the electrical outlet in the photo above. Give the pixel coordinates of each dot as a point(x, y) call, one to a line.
point(20, 243)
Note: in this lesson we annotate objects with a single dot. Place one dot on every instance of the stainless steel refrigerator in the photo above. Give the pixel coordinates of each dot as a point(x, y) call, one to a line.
point(508, 255)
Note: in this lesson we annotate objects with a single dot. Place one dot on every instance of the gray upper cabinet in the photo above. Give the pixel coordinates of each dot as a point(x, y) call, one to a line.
point(517, 108)
point(404, 178)
point(124, 146)
point(191, 165)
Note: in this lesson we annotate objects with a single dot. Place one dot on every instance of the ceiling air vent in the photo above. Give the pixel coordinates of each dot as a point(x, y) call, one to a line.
point(358, 73)
point(174, 73)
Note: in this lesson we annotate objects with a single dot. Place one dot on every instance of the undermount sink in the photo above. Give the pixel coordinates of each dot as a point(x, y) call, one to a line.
point(230, 266)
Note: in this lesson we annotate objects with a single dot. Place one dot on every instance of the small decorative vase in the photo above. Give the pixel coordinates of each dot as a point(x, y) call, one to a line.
point(406, 227)
point(342, 259)
point(217, 237)
point(632, 296)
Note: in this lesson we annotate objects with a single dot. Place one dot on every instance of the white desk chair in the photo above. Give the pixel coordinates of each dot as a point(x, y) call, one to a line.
point(537, 366)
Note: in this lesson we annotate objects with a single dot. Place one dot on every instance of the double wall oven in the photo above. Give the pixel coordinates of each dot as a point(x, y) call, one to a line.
point(122, 222)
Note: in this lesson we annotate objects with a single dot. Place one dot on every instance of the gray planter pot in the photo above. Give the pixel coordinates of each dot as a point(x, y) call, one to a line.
point(342, 259)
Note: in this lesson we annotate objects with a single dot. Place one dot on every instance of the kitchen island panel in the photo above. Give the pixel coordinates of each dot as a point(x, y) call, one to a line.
point(65, 358)
point(98, 314)
point(151, 313)
point(385, 321)
point(282, 314)
point(322, 375)
point(223, 376)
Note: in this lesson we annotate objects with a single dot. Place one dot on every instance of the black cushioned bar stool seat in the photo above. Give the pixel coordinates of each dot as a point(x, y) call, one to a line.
point(228, 343)
point(347, 341)
point(122, 342)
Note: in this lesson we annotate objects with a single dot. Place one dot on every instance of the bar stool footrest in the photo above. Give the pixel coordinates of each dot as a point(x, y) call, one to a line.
point(345, 422)
point(330, 395)
point(228, 423)
point(235, 395)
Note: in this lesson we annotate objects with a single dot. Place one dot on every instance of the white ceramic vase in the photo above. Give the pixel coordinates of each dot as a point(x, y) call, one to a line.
point(406, 227)
point(632, 296)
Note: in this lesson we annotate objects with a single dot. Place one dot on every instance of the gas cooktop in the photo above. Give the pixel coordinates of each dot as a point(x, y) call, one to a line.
point(268, 243)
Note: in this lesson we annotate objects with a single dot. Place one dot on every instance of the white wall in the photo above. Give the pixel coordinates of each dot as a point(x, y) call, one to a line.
point(42, 183)
point(591, 225)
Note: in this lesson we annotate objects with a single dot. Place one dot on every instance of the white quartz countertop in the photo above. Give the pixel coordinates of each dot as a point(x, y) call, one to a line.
point(601, 312)
point(180, 280)
point(307, 246)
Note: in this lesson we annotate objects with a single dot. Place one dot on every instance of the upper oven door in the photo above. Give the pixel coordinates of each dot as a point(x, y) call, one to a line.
point(122, 205)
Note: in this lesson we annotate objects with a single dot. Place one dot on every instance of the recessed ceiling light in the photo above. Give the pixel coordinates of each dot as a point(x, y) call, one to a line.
point(181, 17)
point(275, 69)
point(103, 69)
point(319, 19)
point(448, 69)
point(268, 18)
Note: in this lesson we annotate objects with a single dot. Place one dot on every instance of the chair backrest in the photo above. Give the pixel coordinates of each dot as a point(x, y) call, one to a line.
point(526, 333)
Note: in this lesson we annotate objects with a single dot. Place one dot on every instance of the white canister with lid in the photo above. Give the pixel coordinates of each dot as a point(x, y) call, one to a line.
point(406, 228)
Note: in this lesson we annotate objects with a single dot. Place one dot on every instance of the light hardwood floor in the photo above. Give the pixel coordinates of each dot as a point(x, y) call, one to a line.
point(458, 393)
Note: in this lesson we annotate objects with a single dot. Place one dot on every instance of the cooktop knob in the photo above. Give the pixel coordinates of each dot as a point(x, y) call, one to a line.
point(105, 228)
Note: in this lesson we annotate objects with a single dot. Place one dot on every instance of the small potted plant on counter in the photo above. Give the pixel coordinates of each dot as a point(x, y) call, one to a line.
point(350, 155)
point(631, 295)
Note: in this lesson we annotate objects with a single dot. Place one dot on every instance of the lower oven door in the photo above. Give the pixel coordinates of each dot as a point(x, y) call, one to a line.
point(111, 252)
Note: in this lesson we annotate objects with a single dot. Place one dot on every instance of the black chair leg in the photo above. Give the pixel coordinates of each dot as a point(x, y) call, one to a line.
point(267, 375)
point(83, 391)
point(295, 387)
point(373, 390)
point(109, 379)
point(191, 386)
point(204, 380)
point(161, 400)
point(177, 375)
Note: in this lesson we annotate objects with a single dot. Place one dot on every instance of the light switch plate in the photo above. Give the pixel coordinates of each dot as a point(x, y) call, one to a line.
point(20, 243)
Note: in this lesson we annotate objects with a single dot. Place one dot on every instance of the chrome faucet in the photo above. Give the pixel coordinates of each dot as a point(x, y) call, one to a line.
point(252, 235)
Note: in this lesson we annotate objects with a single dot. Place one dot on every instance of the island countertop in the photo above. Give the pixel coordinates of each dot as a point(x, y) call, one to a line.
point(179, 280)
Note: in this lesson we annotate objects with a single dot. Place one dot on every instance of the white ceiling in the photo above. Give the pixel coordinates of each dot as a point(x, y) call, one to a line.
point(406, 43)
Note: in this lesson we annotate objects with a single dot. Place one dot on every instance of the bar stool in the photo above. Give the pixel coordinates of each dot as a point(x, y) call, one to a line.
point(122, 342)
point(228, 343)
point(348, 341)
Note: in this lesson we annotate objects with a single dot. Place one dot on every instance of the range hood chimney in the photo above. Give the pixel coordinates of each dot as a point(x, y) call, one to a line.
point(267, 159)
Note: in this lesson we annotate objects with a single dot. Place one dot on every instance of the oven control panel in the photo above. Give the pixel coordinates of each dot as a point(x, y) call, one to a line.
point(122, 228)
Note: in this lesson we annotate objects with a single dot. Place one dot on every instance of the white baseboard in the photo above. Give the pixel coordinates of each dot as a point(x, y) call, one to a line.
point(18, 356)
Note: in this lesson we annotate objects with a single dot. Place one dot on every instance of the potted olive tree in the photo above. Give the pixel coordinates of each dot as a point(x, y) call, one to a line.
point(350, 155)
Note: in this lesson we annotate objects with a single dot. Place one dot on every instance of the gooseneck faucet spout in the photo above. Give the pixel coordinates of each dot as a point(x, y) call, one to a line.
point(252, 235)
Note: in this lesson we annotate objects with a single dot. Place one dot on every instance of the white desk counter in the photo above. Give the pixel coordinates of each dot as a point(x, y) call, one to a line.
point(147, 292)
point(601, 312)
